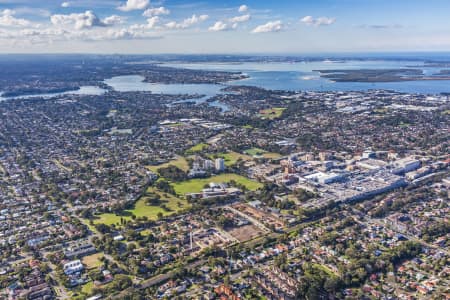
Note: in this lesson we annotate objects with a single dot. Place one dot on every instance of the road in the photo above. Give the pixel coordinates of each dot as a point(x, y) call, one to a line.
point(60, 290)
point(163, 277)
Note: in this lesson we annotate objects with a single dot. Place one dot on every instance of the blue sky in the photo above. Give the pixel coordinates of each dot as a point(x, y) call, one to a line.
point(177, 26)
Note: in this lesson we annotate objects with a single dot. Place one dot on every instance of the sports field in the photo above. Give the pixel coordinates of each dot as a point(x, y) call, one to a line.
point(180, 162)
point(261, 152)
point(196, 185)
point(272, 113)
point(141, 209)
point(232, 157)
point(197, 148)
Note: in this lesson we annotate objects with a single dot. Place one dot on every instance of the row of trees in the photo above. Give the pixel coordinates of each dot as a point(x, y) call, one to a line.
point(173, 173)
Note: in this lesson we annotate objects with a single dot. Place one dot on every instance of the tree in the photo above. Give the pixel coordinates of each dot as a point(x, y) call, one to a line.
point(331, 284)
point(131, 247)
point(121, 282)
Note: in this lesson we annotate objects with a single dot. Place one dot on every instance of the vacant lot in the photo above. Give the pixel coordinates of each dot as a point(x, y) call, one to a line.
point(92, 261)
point(245, 233)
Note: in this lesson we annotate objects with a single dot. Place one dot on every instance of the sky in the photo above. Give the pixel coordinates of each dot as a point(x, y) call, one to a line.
point(223, 26)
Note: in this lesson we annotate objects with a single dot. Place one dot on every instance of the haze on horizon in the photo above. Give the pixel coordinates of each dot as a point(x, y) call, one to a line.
point(179, 26)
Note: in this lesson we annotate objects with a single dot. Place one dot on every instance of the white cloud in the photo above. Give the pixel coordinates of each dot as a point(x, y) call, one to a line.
point(156, 12)
point(172, 25)
point(50, 35)
point(85, 20)
point(128, 34)
point(121, 34)
point(240, 19)
point(307, 20)
point(273, 26)
point(113, 20)
point(65, 4)
point(29, 36)
point(219, 26)
point(151, 24)
point(381, 26)
point(83, 27)
point(243, 8)
point(186, 23)
point(321, 21)
point(7, 19)
point(229, 24)
point(117, 34)
point(80, 21)
point(134, 5)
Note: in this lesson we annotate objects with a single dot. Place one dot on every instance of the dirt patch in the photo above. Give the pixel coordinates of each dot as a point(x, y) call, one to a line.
point(245, 233)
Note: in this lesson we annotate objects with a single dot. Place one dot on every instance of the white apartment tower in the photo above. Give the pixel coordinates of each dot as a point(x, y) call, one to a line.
point(219, 164)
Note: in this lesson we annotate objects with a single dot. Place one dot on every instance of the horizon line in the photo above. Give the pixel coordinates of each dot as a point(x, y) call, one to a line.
point(236, 53)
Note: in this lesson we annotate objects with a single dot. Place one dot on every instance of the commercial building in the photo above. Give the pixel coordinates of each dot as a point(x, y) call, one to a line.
point(371, 164)
point(325, 178)
point(405, 165)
